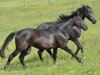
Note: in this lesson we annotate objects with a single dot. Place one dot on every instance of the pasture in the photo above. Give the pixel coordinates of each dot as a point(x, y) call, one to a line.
point(20, 14)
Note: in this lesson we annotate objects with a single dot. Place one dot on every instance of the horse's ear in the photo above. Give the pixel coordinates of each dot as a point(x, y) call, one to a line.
point(88, 6)
point(85, 6)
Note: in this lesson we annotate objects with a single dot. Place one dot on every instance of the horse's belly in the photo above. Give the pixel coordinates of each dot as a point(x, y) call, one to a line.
point(46, 43)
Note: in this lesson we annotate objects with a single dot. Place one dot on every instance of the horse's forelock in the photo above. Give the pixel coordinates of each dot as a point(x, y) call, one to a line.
point(86, 7)
point(63, 17)
point(83, 8)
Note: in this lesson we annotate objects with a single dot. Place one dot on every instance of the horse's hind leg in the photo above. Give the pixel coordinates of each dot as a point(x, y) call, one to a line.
point(23, 54)
point(40, 51)
point(11, 56)
point(21, 58)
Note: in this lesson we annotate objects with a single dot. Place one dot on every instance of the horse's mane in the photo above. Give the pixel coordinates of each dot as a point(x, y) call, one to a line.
point(63, 17)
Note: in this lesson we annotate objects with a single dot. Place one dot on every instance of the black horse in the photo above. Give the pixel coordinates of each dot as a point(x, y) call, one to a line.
point(54, 37)
point(84, 12)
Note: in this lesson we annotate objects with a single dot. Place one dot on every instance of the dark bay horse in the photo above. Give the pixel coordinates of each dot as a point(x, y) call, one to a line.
point(54, 37)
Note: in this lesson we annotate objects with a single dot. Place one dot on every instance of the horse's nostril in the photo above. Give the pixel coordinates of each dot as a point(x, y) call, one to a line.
point(85, 28)
point(94, 22)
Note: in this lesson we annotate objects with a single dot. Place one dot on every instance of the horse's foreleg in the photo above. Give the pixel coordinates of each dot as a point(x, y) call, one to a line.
point(40, 54)
point(50, 53)
point(28, 50)
point(15, 53)
point(54, 54)
point(70, 52)
point(79, 46)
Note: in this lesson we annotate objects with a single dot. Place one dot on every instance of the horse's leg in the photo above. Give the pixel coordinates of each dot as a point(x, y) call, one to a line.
point(70, 52)
point(50, 53)
point(79, 46)
point(28, 50)
point(11, 56)
point(21, 58)
point(54, 54)
point(23, 54)
point(40, 51)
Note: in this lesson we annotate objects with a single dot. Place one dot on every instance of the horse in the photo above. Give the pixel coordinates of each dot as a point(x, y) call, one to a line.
point(54, 37)
point(84, 12)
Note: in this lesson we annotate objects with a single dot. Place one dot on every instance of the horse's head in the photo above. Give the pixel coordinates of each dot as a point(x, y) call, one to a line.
point(88, 12)
point(78, 21)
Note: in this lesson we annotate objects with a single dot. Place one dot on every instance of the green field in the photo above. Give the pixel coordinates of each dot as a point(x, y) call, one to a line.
point(20, 14)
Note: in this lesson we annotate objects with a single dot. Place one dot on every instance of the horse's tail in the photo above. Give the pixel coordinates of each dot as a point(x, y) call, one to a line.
point(6, 42)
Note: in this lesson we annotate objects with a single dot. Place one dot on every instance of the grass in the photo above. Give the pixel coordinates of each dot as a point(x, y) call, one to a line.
point(17, 14)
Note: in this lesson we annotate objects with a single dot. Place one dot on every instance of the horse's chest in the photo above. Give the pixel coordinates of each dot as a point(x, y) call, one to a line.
point(76, 32)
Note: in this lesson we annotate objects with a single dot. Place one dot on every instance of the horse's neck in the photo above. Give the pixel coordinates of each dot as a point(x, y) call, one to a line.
point(82, 15)
point(66, 27)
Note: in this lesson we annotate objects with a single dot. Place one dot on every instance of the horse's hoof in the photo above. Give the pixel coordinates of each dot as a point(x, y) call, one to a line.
point(4, 68)
point(42, 60)
point(80, 62)
point(84, 57)
point(54, 62)
point(24, 67)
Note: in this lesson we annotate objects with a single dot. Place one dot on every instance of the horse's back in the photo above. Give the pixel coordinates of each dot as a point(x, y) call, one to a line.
point(45, 25)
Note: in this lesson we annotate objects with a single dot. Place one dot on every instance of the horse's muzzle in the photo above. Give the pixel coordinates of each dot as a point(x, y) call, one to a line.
point(94, 22)
point(85, 28)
